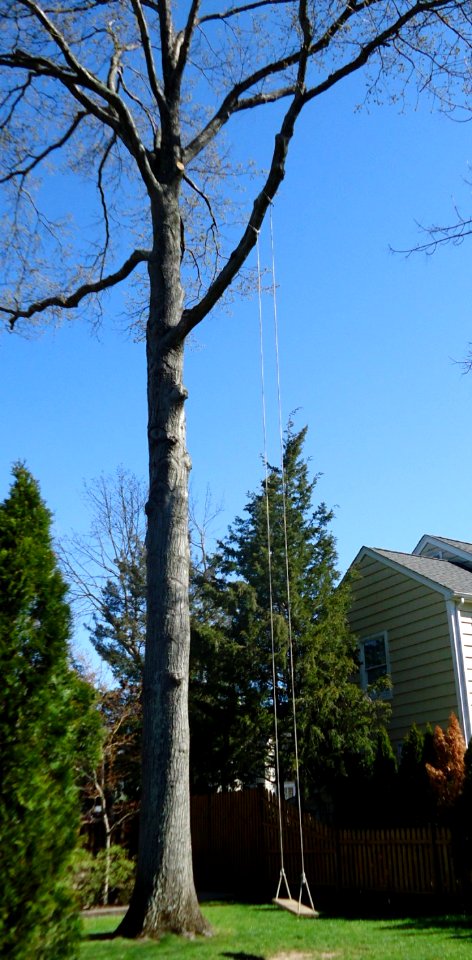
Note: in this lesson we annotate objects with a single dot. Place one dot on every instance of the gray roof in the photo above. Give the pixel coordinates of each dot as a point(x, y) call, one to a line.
point(459, 544)
point(440, 572)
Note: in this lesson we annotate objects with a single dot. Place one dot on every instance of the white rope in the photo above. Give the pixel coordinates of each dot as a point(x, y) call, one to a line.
point(303, 880)
point(283, 876)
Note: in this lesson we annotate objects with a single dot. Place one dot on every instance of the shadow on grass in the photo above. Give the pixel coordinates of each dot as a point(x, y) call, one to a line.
point(110, 935)
point(243, 956)
point(460, 927)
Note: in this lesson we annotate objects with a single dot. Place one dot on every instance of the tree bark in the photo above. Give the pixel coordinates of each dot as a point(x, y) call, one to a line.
point(164, 898)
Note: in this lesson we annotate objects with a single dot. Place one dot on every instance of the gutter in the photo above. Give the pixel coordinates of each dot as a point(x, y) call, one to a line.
point(458, 659)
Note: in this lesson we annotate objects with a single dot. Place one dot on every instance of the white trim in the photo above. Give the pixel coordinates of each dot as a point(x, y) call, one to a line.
point(455, 634)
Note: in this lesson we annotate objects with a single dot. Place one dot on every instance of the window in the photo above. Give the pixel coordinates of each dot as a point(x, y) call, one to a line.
point(374, 659)
point(290, 789)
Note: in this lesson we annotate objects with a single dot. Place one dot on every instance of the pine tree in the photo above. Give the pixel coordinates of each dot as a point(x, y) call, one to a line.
point(335, 719)
point(229, 724)
point(48, 729)
point(119, 626)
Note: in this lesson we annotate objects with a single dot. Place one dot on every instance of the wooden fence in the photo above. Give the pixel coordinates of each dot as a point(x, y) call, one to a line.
point(236, 844)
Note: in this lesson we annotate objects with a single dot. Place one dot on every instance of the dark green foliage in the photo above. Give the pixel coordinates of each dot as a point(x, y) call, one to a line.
point(229, 723)
point(412, 758)
point(414, 791)
point(232, 686)
point(383, 801)
point(48, 729)
point(88, 874)
point(385, 765)
point(369, 795)
point(119, 628)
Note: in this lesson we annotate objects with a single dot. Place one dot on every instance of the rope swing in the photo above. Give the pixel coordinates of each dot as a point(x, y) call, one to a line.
point(285, 902)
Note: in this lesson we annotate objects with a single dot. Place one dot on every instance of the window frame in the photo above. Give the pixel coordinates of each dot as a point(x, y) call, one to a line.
point(379, 634)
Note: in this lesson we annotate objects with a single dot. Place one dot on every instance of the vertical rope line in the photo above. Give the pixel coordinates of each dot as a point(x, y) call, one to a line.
point(269, 562)
point(287, 563)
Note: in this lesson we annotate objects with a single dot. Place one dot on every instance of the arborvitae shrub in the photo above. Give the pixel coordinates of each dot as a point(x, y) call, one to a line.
point(46, 723)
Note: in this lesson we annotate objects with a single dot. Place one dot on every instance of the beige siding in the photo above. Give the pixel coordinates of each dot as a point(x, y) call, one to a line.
point(415, 619)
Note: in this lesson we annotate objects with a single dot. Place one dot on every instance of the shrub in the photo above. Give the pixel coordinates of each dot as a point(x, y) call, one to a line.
point(447, 773)
point(46, 723)
point(89, 875)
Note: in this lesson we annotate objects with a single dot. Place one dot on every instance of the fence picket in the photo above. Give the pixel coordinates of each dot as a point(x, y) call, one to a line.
point(236, 850)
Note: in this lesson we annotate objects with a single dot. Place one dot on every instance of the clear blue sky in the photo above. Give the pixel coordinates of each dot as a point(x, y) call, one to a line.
point(368, 341)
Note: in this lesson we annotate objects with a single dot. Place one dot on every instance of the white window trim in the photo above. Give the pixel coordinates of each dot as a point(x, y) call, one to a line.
point(386, 694)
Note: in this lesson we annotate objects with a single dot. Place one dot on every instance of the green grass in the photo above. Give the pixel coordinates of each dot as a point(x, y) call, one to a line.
point(262, 932)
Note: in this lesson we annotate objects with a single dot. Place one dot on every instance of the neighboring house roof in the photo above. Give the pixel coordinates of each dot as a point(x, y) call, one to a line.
point(457, 551)
point(439, 573)
point(460, 544)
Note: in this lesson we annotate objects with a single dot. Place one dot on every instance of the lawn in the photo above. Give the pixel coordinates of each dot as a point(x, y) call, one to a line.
point(262, 932)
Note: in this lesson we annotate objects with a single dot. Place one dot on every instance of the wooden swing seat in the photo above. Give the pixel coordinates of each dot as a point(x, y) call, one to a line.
point(293, 906)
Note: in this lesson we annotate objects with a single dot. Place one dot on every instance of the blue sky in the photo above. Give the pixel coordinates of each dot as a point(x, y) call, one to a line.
point(368, 344)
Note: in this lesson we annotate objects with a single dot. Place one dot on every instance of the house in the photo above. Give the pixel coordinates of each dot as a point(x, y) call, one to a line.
point(412, 615)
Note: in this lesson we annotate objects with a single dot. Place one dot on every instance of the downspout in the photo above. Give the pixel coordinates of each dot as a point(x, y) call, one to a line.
point(458, 659)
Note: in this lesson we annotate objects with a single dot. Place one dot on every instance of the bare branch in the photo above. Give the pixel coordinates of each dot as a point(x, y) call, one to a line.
point(74, 299)
point(454, 233)
point(115, 115)
point(148, 55)
point(21, 91)
point(230, 104)
point(167, 43)
point(193, 316)
point(101, 191)
point(37, 158)
point(246, 8)
point(204, 198)
point(260, 99)
point(183, 39)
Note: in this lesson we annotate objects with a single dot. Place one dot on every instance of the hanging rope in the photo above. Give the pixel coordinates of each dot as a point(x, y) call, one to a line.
point(283, 876)
point(288, 904)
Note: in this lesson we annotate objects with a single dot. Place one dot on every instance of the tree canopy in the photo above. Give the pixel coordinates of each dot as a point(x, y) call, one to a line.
point(296, 606)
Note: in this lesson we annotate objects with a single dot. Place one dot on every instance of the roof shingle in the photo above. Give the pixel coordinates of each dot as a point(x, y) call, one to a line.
point(442, 572)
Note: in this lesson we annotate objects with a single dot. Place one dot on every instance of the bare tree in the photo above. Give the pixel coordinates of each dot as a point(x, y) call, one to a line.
point(106, 572)
point(109, 791)
point(201, 520)
point(110, 89)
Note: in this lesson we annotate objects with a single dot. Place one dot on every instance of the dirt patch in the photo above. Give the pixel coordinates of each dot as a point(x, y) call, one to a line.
point(296, 955)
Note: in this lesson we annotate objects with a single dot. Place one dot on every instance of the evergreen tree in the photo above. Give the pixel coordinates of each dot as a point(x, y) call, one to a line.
point(334, 717)
point(415, 797)
point(48, 729)
point(119, 626)
point(229, 723)
point(383, 803)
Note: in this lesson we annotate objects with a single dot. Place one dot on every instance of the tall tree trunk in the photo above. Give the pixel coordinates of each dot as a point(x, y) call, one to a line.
point(164, 897)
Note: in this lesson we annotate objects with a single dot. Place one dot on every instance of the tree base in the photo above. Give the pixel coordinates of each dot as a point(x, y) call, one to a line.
point(185, 920)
